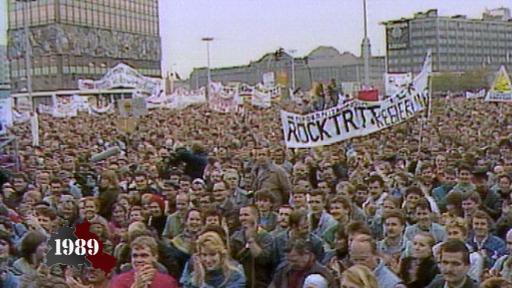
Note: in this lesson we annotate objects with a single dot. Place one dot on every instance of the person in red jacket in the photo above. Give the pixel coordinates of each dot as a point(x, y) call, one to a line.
point(144, 254)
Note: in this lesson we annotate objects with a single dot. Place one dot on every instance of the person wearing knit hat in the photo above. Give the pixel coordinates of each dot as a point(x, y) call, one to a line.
point(315, 281)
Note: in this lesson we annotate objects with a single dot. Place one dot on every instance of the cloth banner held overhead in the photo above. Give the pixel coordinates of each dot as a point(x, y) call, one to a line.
point(93, 110)
point(19, 118)
point(501, 90)
point(123, 75)
point(224, 99)
point(261, 98)
point(356, 118)
point(6, 117)
point(34, 129)
point(179, 99)
point(394, 82)
point(479, 94)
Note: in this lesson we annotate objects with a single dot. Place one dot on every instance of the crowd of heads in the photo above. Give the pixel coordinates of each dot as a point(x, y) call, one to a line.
point(197, 198)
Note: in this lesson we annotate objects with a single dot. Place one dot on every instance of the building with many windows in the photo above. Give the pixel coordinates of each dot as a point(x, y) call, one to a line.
point(4, 68)
point(320, 65)
point(81, 39)
point(458, 43)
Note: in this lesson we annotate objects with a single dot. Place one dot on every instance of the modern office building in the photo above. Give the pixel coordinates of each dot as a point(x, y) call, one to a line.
point(81, 39)
point(458, 43)
point(4, 68)
point(320, 65)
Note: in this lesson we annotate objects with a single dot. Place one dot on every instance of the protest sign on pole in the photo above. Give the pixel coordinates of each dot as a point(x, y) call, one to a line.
point(224, 99)
point(6, 118)
point(261, 97)
point(24, 104)
point(501, 90)
point(34, 129)
point(134, 107)
point(394, 82)
point(475, 95)
point(269, 79)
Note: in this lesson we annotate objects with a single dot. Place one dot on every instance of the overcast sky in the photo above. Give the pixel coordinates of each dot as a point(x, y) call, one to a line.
point(246, 29)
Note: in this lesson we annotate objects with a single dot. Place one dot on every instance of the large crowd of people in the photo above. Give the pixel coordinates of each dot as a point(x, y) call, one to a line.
point(199, 199)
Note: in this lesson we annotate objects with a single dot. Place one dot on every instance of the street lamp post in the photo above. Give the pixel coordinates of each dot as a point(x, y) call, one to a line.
point(28, 49)
point(292, 53)
point(208, 40)
point(366, 49)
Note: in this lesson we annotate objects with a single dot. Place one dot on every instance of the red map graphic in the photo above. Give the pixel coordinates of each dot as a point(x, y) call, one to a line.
point(101, 260)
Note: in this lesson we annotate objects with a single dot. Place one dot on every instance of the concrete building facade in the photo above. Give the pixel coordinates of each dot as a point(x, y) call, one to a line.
point(81, 39)
point(458, 43)
point(4, 68)
point(320, 65)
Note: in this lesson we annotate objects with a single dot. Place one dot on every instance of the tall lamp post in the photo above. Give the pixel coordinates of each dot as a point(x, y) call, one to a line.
point(292, 53)
point(28, 47)
point(208, 40)
point(366, 49)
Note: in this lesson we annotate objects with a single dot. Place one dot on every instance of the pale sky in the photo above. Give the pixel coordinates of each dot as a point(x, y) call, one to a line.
point(246, 29)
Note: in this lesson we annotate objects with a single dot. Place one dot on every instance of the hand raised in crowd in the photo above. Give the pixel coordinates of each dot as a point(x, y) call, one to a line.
point(198, 270)
point(144, 276)
point(72, 281)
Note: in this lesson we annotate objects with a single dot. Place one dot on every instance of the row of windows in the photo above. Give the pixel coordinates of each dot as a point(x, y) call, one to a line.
point(127, 7)
point(86, 70)
point(47, 70)
point(129, 23)
point(97, 16)
point(38, 14)
point(476, 25)
point(139, 6)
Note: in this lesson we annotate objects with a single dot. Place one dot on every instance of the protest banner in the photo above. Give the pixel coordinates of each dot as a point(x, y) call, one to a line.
point(6, 117)
point(350, 120)
point(65, 110)
point(394, 82)
point(477, 95)
point(179, 99)
point(261, 97)
point(269, 79)
point(24, 104)
point(357, 118)
point(134, 107)
point(80, 103)
point(501, 90)
point(123, 75)
point(94, 110)
point(34, 129)
point(224, 99)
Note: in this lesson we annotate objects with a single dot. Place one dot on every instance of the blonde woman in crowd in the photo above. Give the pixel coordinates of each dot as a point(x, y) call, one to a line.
point(211, 266)
point(358, 276)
